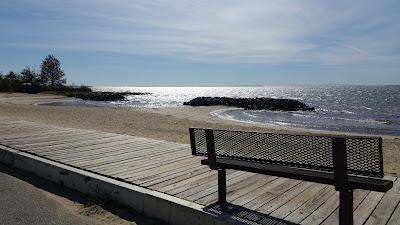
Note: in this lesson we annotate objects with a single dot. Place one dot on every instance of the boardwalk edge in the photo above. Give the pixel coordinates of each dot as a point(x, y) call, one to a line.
point(151, 203)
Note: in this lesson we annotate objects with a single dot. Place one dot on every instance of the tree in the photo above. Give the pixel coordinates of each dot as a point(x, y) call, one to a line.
point(12, 76)
point(51, 72)
point(28, 75)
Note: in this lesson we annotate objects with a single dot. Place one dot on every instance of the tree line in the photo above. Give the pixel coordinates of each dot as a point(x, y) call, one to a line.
point(50, 77)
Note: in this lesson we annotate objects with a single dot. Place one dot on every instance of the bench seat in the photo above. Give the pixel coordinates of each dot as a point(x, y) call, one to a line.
point(355, 182)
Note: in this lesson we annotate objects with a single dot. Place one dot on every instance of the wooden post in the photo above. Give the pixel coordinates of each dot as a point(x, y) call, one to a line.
point(221, 185)
point(212, 158)
point(342, 181)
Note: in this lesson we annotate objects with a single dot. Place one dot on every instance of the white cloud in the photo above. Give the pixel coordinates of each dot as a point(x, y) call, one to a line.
point(224, 31)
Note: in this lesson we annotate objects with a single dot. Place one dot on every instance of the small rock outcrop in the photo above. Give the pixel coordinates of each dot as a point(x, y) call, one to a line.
point(103, 96)
point(252, 103)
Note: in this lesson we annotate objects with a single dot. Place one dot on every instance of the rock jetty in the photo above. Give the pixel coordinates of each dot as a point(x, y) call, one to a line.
point(252, 103)
point(103, 96)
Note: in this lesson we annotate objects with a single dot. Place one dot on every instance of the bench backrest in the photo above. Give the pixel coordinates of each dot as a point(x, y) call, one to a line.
point(364, 154)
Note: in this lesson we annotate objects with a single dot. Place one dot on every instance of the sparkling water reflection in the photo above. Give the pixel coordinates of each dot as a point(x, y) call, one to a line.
point(363, 109)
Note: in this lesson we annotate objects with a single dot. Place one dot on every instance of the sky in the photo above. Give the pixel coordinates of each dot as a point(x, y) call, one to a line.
point(205, 42)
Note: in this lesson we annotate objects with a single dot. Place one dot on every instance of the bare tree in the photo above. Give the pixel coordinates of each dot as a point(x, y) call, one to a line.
point(51, 73)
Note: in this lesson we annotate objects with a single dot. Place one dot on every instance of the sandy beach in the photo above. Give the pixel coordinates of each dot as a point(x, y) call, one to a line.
point(169, 124)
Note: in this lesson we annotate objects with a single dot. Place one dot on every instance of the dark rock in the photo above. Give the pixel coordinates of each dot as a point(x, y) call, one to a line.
point(252, 103)
point(103, 96)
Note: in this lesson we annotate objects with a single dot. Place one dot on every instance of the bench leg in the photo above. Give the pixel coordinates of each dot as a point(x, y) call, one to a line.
point(346, 207)
point(221, 185)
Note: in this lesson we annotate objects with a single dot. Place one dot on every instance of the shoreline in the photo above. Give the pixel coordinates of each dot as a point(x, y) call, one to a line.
point(213, 113)
point(168, 123)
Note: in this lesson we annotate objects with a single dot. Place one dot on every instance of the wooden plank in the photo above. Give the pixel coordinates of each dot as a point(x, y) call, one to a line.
point(396, 187)
point(125, 171)
point(209, 192)
point(51, 147)
point(31, 131)
point(24, 133)
point(323, 211)
point(96, 150)
point(118, 154)
point(166, 175)
point(231, 189)
point(310, 205)
point(386, 206)
point(189, 183)
point(81, 147)
point(38, 133)
point(384, 210)
point(155, 185)
point(249, 186)
point(267, 188)
point(140, 157)
point(173, 167)
point(40, 138)
point(138, 165)
point(333, 218)
point(239, 188)
point(366, 207)
point(395, 218)
point(272, 194)
point(129, 160)
point(285, 197)
point(210, 189)
point(294, 203)
point(68, 141)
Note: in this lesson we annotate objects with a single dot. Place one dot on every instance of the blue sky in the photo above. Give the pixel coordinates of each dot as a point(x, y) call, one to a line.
point(205, 42)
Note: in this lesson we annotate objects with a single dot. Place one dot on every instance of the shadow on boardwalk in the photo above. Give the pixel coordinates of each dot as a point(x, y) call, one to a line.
point(241, 215)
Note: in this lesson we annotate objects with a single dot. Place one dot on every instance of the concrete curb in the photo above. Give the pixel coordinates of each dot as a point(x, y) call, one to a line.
point(154, 204)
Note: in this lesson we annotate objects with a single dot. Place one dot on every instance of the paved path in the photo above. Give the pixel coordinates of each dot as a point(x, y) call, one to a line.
point(170, 168)
point(28, 199)
point(22, 203)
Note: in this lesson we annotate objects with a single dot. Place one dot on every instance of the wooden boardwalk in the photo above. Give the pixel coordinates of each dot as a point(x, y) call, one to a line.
point(170, 168)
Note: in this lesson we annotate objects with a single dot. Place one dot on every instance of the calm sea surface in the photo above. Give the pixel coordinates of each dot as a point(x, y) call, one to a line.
point(361, 109)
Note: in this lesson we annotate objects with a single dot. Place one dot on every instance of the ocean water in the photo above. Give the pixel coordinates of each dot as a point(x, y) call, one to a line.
point(360, 109)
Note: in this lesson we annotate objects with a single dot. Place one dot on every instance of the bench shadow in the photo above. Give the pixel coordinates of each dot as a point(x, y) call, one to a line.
point(240, 215)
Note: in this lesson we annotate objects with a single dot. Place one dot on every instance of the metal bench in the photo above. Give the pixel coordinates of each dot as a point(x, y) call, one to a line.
point(348, 162)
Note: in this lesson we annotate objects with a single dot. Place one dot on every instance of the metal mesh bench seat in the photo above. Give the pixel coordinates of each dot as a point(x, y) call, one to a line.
point(348, 162)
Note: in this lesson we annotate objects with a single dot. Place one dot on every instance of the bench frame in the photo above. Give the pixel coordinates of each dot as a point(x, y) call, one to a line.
point(343, 182)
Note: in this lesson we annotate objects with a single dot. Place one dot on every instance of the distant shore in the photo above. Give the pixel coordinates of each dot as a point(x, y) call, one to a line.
point(169, 124)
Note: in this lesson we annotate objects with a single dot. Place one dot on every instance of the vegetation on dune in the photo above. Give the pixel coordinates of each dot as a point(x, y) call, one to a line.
point(52, 79)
